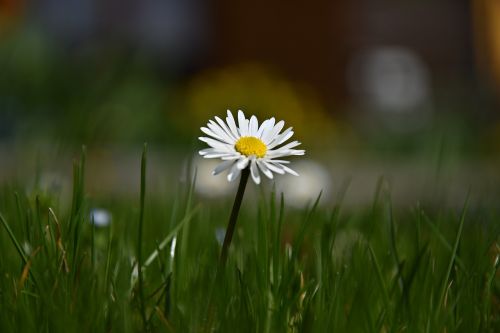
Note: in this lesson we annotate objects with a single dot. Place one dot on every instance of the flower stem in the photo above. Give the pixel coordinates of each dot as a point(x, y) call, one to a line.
point(234, 215)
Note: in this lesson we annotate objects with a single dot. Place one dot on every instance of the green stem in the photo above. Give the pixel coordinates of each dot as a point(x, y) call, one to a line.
point(234, 215)
point(139, 238)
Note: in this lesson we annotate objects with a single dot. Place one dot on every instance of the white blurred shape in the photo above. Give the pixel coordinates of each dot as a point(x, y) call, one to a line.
point(303, 189)
point(27, 248)
point(207, 184)
point(100, 217)
point(134, 275)
point(220, 234)
point(389, 78)
point(172, 247)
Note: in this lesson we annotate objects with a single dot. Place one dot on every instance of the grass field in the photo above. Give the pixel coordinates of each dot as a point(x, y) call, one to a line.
point(370, 269)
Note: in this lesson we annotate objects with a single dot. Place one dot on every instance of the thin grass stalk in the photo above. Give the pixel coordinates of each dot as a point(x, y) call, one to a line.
point(139, 238)
point(453, 257)
point(234, 216)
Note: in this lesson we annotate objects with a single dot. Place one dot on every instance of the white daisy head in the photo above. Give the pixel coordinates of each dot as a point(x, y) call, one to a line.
point(260, 148)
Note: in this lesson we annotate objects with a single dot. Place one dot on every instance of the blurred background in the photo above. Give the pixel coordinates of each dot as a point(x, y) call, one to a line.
point(404, 90)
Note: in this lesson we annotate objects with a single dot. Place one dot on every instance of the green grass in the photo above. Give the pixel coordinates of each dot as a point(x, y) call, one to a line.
point(373, 269)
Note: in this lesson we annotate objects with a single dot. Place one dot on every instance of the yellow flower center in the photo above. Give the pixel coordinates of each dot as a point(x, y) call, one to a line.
point(250, 145)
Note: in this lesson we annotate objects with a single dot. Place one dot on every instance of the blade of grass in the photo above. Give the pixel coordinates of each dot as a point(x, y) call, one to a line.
point(452, 257)
point(380, 278)
point(78, 187)
point(394, 249)
point(39, 223)
point(74, 198)
point(18, 247)
point(108, 259)
point(92, 242)
point(277, 241)
point(485, 322)
point(441, 238)
point(164, 320)
point(26, 269)
point(20, 217)
point(14, 240)
point(58, 240)
point(170, 236)
point(301, 234)
point(77, 215)
point(139, 238)
point(185, 232)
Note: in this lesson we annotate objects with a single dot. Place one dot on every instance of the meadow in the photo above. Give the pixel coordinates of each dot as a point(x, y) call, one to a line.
point(317, 269)
point(393, 225)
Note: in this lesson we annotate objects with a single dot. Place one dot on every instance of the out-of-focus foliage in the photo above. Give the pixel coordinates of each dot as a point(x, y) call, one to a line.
point(102, 95)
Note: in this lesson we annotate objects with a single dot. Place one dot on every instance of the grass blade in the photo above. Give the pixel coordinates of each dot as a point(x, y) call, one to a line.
point(452, 257)
point(14, 240)
point(139, 237)
point(170, 236)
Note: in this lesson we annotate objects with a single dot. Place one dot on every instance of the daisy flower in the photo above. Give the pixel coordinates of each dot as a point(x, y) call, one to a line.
point(249, 145)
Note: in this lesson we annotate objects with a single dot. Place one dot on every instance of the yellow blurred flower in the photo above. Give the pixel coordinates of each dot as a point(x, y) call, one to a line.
point(253, 87)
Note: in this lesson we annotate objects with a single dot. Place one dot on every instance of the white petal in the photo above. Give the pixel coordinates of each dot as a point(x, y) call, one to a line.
point(243, 163)
point(281, 138)
point(267, 131)
point(254, 172)
point(212, 134)
point(220, 131)
point(232, 124)
point(221, 167)
point(234, 156)
point(289, 145)
point(274, 167)
point(284, 152)
point(233, 173)
point(218, 155)
point(281, 167)
point(290, 171)
point(296, 152)
point(214, 143)
point(265, 170)
point(264, 127)
point(254, 126)
point(208, 151)
point(279, 161)
point(226, 129)
point(243, 123)
point(270, 135)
